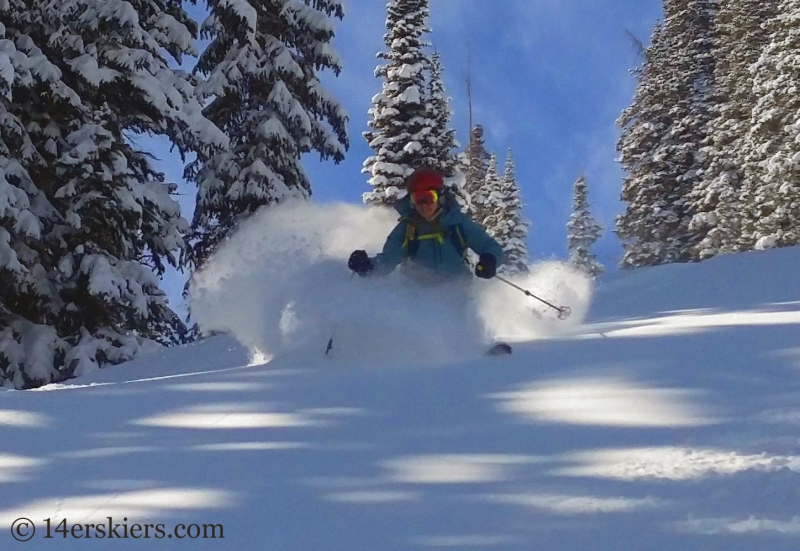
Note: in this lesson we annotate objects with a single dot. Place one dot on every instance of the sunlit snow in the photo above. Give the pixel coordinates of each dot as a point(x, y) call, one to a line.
point(663, 414)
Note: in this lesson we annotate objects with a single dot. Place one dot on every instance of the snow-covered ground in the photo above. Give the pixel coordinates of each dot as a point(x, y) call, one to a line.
point(668, 420)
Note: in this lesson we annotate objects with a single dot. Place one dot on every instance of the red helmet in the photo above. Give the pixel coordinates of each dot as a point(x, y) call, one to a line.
point(424, 179)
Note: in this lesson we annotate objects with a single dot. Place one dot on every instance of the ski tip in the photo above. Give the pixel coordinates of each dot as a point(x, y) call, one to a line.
point(499, 349)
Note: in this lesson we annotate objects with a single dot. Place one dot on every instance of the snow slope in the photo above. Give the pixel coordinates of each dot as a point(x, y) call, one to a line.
point(669, 420)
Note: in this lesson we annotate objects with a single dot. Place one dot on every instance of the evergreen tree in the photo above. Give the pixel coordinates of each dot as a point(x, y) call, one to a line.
point(663, 132)
point(85, 219)
point(30, 347)
point(441, 141)
point(641, 227)
point(771, 193)
point(399, 114)
point(486, 200)
point(475, 162)
point(438, 146)
point(716, 204)
point(113, 54)
point(261, 71)
point(515, 230)
point(119, 234)
point(500, 198)
point(582, 232)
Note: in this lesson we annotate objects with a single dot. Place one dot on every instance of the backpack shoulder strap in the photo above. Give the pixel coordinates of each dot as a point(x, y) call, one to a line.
point(409, 241)
point(459, 241)
point(412, 239)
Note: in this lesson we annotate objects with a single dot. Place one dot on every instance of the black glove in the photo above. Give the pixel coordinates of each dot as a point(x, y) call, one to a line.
point(360, 263)
point(487, 266)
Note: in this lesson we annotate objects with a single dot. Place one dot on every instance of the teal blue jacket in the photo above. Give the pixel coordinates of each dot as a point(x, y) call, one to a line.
point(443, 256)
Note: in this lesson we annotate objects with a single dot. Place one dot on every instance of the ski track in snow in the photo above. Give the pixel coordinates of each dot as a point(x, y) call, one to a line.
point(668, 420)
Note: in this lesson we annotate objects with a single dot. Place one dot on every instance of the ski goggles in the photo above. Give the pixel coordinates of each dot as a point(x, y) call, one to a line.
point(425, 197)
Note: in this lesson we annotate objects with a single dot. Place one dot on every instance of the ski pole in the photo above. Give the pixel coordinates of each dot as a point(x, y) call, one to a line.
point(335, 327)
point(563, 311)
point(330, 341)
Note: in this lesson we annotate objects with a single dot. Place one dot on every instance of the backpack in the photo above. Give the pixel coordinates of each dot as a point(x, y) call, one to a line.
point(453, 233)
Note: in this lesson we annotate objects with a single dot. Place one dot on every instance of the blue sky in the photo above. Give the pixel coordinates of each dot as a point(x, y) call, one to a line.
point(549, 79)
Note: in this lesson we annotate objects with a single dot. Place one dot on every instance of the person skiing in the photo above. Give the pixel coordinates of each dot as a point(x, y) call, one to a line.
point(432, 233)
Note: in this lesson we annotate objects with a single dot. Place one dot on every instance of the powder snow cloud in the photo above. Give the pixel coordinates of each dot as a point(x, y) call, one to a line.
point(280, 284)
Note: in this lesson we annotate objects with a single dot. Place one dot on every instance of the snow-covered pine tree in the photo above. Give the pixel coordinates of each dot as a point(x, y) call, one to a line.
point(442, 138)
point(740, 39)
point(474, 165)
point(398, 118)
point(644, 126)
point(441, 141)
point(500, 198)
point(582, 231)
point(662, 134)
point(115, 57)
point(30, 348)
point(771, 192)
point(118, 232)
point(515, 229)
point(486, 200)
point(261, 71)
point(83, 291)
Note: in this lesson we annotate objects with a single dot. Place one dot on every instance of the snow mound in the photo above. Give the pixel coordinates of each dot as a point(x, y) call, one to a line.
point(280, 285)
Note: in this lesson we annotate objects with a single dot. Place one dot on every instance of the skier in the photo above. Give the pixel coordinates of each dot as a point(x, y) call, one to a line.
point(432, 233)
